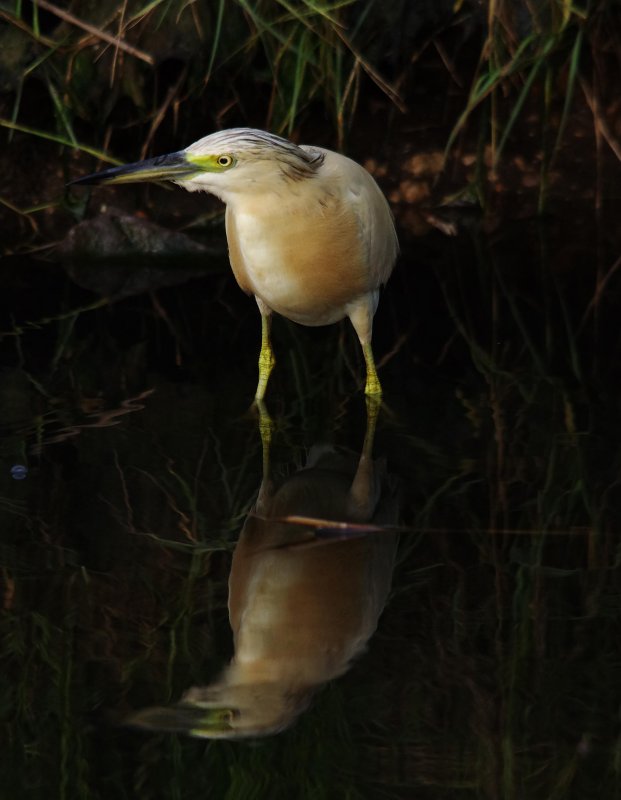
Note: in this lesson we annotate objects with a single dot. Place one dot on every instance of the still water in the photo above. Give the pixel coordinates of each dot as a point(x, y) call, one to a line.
point(419, 605)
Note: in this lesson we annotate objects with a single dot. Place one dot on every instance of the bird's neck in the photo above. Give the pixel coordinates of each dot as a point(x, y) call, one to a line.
point(275, 202)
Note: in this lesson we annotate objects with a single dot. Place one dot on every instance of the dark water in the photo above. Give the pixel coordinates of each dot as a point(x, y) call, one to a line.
point(130, 465)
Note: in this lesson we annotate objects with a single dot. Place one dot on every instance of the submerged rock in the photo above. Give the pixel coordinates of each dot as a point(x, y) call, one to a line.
point(117, 254)
point(116, 233)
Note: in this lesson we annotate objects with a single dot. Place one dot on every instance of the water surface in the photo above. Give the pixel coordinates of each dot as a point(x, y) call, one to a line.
point(131, 461)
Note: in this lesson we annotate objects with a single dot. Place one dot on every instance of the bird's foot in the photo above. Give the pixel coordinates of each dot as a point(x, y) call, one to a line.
point(373, 388)
point(267, 361)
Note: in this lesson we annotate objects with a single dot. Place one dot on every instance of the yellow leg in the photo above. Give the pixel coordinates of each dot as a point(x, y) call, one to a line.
point(373, 386)
point(266, 356)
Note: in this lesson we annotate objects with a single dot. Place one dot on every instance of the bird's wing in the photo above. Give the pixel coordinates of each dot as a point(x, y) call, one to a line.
point(376, 225)
point(238, 265)
point(363, 197)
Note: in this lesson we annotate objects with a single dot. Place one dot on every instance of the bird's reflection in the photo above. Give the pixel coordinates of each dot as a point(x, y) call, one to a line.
point(310, 576)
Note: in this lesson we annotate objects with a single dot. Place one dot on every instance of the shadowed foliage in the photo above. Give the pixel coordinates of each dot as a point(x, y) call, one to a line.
point(119, 82)
point(495, 668)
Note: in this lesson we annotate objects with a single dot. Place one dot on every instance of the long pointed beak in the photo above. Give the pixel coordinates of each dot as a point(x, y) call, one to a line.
point(170, 167)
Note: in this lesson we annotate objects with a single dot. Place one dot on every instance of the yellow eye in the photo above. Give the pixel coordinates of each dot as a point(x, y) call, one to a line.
point(224, 161)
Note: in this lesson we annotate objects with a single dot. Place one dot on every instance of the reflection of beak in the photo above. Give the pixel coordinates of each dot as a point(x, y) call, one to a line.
point(195, 720)
point(169, 167)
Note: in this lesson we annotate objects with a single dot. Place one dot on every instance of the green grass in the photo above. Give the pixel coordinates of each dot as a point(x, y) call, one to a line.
point(300, 52)
point(161, 73)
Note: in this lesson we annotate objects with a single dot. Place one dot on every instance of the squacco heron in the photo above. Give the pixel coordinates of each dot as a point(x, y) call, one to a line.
point(310, 577)
point(310, 234)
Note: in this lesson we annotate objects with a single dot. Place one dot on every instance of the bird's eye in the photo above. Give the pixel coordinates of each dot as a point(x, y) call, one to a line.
point(224, 161)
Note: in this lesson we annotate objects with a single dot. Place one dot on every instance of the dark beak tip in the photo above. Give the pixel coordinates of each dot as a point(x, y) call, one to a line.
point(87, 180)
point(158, 168)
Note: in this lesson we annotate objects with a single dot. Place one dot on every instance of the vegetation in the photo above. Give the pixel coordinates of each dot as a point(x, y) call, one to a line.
point(495, 671)
point(120, 81)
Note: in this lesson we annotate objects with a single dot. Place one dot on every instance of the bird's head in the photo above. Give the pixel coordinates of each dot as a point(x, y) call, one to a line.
point(239, 160)
point(228, 711)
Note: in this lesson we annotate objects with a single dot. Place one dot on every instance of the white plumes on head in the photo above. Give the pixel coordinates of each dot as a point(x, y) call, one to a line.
point(252, 144)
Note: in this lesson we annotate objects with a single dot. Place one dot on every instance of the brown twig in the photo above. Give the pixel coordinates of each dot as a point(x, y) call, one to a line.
point(161, 113)
point(388, 90)
point(599, 290)
point(97, 32)
point(598, 118)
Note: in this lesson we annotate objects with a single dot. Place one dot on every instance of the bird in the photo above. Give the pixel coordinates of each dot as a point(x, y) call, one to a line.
point(310, 233)
point(310, 576)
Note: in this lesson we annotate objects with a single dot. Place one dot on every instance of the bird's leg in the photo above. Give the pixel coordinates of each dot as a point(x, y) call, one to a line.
point(266, 356)
point(373, 387)
point(360, 312)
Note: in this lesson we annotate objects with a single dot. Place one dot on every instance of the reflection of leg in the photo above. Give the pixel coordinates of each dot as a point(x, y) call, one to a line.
point(364, 487)
point(374, 403)
point(266, 356)
point(266, 427)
